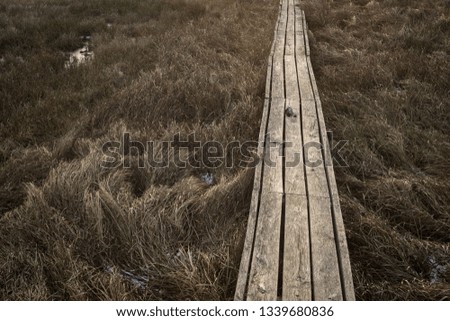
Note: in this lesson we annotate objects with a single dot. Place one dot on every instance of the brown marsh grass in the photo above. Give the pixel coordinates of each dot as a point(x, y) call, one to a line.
point(72, 230)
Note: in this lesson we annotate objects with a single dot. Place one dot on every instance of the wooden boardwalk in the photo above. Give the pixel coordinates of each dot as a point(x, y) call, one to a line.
point(295, 246)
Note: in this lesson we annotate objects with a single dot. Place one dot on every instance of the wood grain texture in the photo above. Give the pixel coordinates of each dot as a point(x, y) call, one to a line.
point(340, 237)
point(293, 166)
point(296, 258)
point(295, 246)
point(244, 268)
point(325, 263)
point(263, 282)
point(325, 268)
point(296, 265)
point(290, 29)
point(273, 157)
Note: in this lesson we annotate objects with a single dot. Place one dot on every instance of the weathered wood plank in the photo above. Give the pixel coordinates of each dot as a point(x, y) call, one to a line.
point(294, 172)
point(348, 288)
point(298, 13)
point(306, 93)
point(262, 285)
point(297, 261)
point(253, 212)
point(263, 282)
point(296, 257)
point(305, 29)
point(312, 147)
point(325, 264)
point(292, 92)
point(325, 268)
point(294, 178)
point(341, 239)
point(269, 80)
point(278, 67)
point(275, 87)
point(273, 158)
point(317, 183)
point(244, 268)
point(278, 77)
point(303, 202)
point(290, 29)
point(283, 17)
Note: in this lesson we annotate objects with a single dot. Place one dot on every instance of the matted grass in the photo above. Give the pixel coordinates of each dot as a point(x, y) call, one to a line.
point(70, 230)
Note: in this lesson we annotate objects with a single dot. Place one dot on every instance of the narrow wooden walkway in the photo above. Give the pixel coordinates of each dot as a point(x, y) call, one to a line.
point(295, 247)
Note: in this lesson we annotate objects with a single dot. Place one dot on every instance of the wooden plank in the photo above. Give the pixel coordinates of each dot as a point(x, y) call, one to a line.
point(325, 268)
point(290, 29)
point(305, 32)
point(296, 259)
point(296, 256)
point(263, 282)
point(307, 93)
point(325, 264)
point(292, 92)
point(294, 178)
point(298, 13)
point(348, 288)
point(341, 239)
point(323, 133)
point(253, 212)
point(275, 44)
point(268, 79)
point(315, 258)
point(278, 77)
point(272, 183)
point(278, 68)
point(294, 171)
point(244, 268)
point(315, 171)
point(273, 162)
point(273, 158)
point(283, 17)
point(317, 184)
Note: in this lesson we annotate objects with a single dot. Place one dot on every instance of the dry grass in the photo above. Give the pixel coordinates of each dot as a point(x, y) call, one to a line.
point(383, 71)
point(70, 229)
